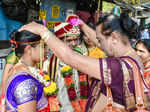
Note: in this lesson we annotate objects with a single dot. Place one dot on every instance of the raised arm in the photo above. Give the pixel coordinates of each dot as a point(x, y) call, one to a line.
point(90, 33)
point(84, 64)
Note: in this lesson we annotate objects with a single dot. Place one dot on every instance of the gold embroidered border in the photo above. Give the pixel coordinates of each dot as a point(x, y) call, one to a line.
point(106, 72)
point(129, 97)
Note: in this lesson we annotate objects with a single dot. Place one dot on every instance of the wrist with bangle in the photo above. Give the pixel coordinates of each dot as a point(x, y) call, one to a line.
point(46, 35)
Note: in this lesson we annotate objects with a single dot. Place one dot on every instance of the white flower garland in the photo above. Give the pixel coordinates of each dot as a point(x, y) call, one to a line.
point(36, 73)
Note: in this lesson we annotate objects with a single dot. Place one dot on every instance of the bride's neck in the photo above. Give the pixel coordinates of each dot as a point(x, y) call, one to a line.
point(27, 61)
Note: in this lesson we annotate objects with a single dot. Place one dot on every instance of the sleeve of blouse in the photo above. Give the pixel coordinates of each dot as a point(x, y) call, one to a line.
point(111, 71)
point(25, 91)
point(112, 74)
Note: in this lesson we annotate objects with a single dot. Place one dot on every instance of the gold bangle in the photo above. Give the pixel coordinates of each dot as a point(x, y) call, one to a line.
point(47, 35)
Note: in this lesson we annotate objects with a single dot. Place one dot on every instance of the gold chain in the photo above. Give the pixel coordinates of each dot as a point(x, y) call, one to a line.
point(129, 52)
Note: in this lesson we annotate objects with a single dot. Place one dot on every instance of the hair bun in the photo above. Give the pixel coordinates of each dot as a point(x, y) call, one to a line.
point(129, 26)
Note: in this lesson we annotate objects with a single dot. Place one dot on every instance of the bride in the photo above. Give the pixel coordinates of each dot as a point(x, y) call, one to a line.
point(24, 89)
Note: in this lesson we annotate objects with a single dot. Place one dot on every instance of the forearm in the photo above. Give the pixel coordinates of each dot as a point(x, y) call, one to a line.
point(84, 64)
point(90, 33)
point(62, 51)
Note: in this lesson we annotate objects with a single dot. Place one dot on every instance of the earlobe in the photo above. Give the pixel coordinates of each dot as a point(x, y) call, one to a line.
point(114, 38)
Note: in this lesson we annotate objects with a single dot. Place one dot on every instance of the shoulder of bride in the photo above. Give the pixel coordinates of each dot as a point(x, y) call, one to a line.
point(18, 68)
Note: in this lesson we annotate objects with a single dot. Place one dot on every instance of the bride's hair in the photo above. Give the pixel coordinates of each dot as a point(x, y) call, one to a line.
point(21, 39)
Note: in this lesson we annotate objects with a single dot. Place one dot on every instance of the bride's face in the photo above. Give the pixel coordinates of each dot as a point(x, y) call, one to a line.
point(36, 53)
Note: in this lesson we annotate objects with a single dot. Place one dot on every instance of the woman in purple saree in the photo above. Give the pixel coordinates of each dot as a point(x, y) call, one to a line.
point(121, 82)
point(112, 36)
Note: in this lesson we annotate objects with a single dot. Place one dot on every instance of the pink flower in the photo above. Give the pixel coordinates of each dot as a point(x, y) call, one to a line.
point(75, 21)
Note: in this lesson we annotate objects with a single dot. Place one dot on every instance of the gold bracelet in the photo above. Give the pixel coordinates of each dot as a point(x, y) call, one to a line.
point(47, 35)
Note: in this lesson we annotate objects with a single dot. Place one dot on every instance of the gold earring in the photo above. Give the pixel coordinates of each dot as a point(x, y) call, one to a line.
point(41, 53)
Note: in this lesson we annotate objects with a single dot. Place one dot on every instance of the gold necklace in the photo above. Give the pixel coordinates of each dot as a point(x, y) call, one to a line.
point(36, 73)
point(129, 52)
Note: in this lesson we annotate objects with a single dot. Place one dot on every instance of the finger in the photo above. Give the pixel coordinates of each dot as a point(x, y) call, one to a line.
point(25, 27)
point(22, 28)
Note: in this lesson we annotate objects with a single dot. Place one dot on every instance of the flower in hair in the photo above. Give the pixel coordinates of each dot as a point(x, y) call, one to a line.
point(14, 43)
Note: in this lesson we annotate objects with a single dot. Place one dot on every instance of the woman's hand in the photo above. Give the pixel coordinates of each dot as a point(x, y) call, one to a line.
point(34, 28)
point(38, 29)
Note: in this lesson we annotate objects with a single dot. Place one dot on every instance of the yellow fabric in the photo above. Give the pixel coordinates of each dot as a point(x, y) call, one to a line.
point(96, 53)
point(12, 58)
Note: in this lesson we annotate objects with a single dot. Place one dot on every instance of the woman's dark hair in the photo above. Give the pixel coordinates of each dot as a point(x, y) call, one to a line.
point(145, 42)
point(123, 24)
point(91, 25)
point(22, 39)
